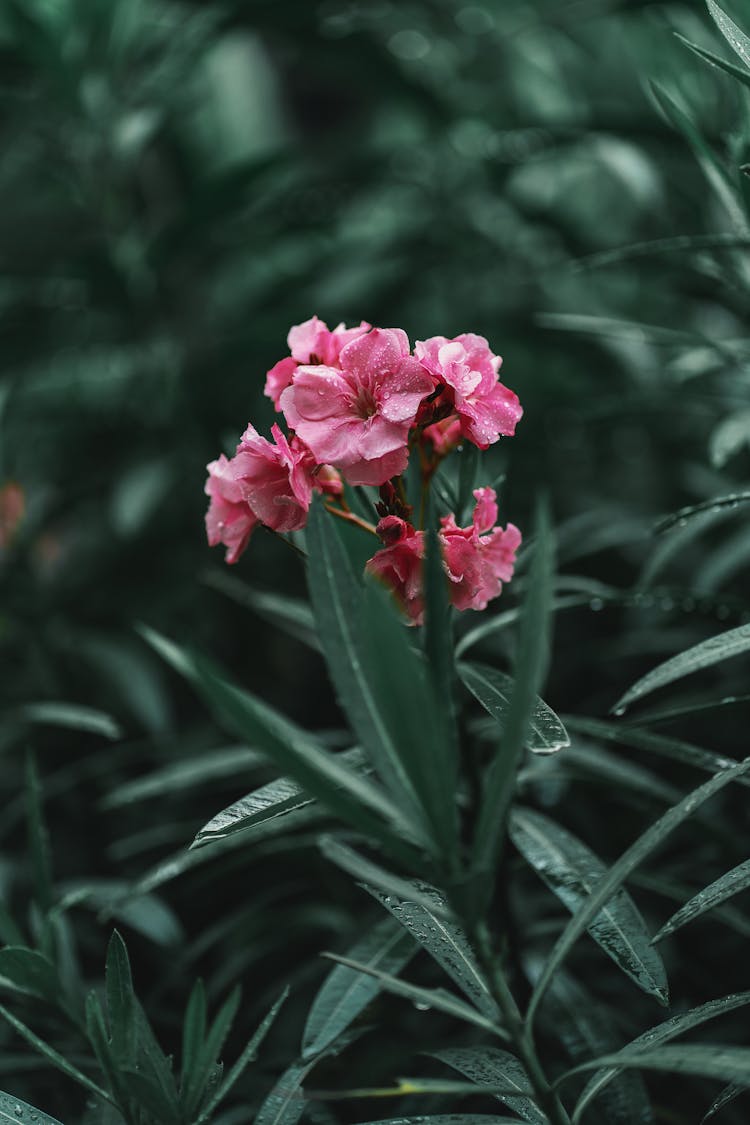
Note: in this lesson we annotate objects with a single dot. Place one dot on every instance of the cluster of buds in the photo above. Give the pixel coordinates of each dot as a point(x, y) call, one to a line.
point(357, 403)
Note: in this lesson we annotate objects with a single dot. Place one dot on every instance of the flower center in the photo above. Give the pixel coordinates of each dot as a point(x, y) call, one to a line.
point(364, 404)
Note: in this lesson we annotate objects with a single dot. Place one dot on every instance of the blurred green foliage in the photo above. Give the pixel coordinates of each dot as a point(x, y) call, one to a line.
point(182, 182)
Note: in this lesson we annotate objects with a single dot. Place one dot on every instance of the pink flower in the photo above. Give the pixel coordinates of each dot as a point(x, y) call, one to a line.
point(469, 370)
point(478, 559)
point(229, 520)
point(399, 564)
point(444, 435)
point(275, 480)
point(357, 417)
point(310, 343)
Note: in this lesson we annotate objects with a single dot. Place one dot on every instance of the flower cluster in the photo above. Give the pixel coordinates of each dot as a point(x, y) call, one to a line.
point(357, 402)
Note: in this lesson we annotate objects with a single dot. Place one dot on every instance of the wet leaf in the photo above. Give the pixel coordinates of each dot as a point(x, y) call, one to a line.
point(727, 885)
point(491, 1067)
point(493, 689)
point(731, 643)
point(572, 871)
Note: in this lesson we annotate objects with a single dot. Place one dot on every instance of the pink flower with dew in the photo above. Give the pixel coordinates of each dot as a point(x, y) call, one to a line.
point(399, 565)
point(480, 558)
point(476, 559)
point(469, 370)
point(310, 343)
point(229, 520)
point(357, 417)
point(275, 478)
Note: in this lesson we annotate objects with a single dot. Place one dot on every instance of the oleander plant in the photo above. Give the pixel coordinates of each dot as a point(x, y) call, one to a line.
point(394, 771)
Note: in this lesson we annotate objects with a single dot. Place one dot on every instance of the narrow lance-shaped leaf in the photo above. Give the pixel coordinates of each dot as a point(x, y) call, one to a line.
point(673, 748)
point(735, 37)
point(447, 1119)
point(196, 1081)
point(277, 798)
point(571, 871)
point(346, 992)
point(731, 501)
point(120, 1002)
point(729, 1094)
point(655, 1036)
point(729, 1064)
point(421, 720)
point(491, 1067)
point(729, 884)
point(493, 689)
point(15, 1111)
point(737, 72)
point(58, 1061)
point(355, 799)
point(247, 1056)
point(733, 642)
point(423, 998)
point(441, 936)
point(337, 598)
point(621, 869)
point(529, 673)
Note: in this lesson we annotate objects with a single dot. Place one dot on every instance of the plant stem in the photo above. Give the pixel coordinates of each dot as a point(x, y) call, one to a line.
point(545, 1096)
point(351, 518)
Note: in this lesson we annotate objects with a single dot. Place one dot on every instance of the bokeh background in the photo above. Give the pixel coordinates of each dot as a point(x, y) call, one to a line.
point(182, 182)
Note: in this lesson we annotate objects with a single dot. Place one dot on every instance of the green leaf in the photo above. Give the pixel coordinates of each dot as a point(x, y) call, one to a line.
point(572, 871)
point(727, 885)
point(492, 1067)
point(731, 643)
point(274, 799)
point(391, 704)
point(610, 883)
point(673, 748)
point(445, 941)
point(494, 690)
point(346, 992)
point(717, 61)
point(180, 776)
point(338, 603)
point(422, 998)
point(54, 1057)
point(30, 971)
point(156, 1067)
point(439, 646)
point(196, 1081)
point(248, 1055)
point(323, 775)
point(737, 40)
point(730, 1064)
point(193, 1032)
point(727, 1095)
point(121, 1009)
point(713, 169)
point(73, 716)
point(96, 1029)
point(286, 1103)
point(533, 655)
point(15, 1111)
point(657, 1035)
point(447, 1119)
point(732, 501)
